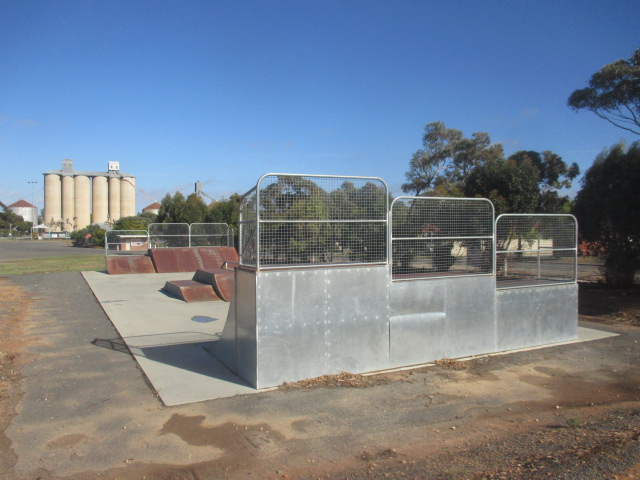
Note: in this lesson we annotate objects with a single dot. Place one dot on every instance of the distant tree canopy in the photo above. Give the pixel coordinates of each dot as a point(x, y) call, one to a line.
point(177, 209)
point(451, 165)
point(446, 159)
point(10, 219)
point(613, 94)
point(607, 210)
point(138, 222)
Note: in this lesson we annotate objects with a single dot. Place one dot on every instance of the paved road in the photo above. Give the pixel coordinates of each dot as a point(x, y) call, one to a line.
point(11, 250)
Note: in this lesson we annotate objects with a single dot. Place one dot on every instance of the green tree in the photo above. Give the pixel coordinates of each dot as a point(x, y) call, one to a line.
point(552, 174)
point(177, 209)
point(90, 236)
point(607, 210)
point(446, 159)
point(511, 186)
point(613, 94)
point(226, 211)
point(132, 223)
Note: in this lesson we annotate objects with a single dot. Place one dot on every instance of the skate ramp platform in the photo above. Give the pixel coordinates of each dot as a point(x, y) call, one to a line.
point(129, 264)
point(190, 259)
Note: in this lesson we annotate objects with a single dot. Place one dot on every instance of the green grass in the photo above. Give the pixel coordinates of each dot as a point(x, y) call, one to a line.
point(61, 263)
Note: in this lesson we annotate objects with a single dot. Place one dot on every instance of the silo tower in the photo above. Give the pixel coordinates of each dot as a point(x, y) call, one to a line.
point(75, 199)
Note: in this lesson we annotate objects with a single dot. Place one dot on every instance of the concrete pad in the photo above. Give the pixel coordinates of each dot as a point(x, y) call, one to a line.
point(168, 337)
point(190, 291)
point(119, 265)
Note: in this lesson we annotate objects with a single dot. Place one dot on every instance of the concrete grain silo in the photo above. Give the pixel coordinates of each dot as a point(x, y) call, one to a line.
point(78, 199)
point(68, 202)
point(114, 198)
point(52, 200)
point(128, 197)
point(100, 200)
point(82, 201)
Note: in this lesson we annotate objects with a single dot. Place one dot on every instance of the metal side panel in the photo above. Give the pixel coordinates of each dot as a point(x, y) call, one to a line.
point(470, 307)
point(416, 338)
point(292, 310)
point(357, 335)
point(416, 296)
point(533, 316)
point(225, 348)
point(246, 331)
point(321, 321)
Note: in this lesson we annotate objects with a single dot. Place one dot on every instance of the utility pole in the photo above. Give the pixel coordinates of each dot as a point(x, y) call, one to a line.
point(33, 206)
point(34, 209)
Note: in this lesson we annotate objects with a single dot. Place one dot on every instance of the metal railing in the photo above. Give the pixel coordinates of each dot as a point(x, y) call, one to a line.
point(210, 235)
point(535, 250)
point(165, 235)
point(295, 221)
point(441, 237)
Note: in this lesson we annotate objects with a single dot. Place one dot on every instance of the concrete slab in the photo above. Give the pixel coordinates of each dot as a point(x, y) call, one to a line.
point(168, 337)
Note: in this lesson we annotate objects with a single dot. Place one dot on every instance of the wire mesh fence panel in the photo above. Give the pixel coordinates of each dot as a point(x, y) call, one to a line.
point(165, 235)
point(535, 250)
point(441, 237)
point(303, 220)
point(211, 235)
point(248, 228)
point(126, 242)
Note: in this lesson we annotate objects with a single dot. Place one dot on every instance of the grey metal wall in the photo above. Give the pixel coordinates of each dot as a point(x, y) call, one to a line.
point(290, 325)
point(536, 316)
point(307, 323)
point(438, 318)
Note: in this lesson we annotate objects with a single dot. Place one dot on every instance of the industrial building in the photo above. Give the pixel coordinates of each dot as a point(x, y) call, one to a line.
point(75, 199)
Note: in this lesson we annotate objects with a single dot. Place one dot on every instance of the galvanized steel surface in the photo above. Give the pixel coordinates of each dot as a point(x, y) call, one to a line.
point(306, 323)
point(536, 316)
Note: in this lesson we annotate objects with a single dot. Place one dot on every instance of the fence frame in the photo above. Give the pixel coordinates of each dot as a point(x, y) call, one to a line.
point(258, 220)
point(181, 235)
point(539, 250)
point(228, 234)
point(491, 238)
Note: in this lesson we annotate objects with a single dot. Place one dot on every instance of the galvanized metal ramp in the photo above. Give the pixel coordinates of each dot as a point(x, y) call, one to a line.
point(129, 264)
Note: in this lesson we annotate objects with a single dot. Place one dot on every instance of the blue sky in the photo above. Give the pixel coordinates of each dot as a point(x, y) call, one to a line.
point(225, 91)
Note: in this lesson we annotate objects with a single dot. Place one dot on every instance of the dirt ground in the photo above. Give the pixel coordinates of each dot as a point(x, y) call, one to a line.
point(589, 430)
